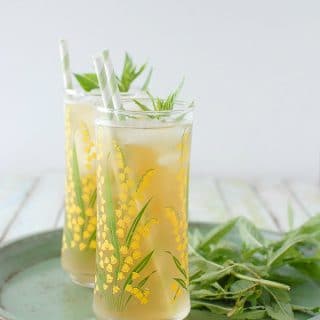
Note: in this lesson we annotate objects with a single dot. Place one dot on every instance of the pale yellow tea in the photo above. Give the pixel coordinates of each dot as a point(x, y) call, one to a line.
point(79, 234)
point(142, 245)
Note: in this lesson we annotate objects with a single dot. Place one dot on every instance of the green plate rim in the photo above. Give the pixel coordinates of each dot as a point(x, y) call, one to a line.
point(24, 242)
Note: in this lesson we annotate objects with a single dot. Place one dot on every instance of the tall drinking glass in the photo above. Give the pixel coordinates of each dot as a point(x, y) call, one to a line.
point(79, 233)
point(142, 199)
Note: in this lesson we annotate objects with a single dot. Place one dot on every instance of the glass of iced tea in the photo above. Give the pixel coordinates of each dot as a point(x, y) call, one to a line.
point(142, 206)
point(79, 233)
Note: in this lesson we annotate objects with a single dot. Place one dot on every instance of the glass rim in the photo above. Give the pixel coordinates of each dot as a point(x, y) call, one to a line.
point(180, 107)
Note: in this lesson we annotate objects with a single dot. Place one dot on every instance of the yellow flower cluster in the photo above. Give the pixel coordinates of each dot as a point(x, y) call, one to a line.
point(90, 149)
point(125, 210)
point(180, 227)
point(140, 294)
point(80, 222)
point(179, 219)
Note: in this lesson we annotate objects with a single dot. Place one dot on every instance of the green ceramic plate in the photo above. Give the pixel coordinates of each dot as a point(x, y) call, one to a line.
point(33, 286)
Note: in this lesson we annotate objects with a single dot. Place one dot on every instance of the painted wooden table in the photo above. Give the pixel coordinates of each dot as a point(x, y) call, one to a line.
point(31, 204)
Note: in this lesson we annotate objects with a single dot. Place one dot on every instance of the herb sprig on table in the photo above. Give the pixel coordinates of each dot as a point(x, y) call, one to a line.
point(238, 273)
point(130, 72)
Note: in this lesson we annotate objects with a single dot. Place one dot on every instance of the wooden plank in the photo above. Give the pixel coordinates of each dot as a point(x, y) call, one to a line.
point(205, 202)
point(14, 192)
point(277, 199)
point(242, 201)
point(308, 195)
point(40, 211)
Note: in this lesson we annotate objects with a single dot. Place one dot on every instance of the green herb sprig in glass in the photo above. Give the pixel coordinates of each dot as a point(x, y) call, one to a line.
point(130, 72)
point(160, 104)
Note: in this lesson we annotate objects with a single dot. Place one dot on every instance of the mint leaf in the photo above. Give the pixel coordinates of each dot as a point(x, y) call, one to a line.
point(87, 81)
point(237, 272)
point(250, 235)
point(147, 81)
point(130, 72)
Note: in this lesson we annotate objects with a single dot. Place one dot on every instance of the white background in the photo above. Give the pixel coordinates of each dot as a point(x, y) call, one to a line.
point(253, 68)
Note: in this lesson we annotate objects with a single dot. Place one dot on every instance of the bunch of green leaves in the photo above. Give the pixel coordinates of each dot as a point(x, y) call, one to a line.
point(130, 72)
point(237, 272)
point(160, 104)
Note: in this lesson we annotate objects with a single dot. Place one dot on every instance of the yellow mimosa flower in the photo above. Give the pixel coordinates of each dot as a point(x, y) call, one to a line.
point(109, 268)
point(109, 278)
point(121, 223)
point(139, 295)
point(77, 210)
point(126, 220)
point(120, 233)
point(76, 237)
point(132, 211)
point(146, 292)
point(120, 276)
point(91, 227)
point(85, 198)
point(115, 289)
point(144, 300)
point(129, 288)
point(125, 268)
point(135, 245)
point(128, 260)
point(114, 260)
point(93, 220)
point(93, 244)
point(123, 196)
point(123, 250)
point(86, 234)
point(122, 177)
point(80, 221)
point(89, 212)
point(135, 291)
point(136, 255)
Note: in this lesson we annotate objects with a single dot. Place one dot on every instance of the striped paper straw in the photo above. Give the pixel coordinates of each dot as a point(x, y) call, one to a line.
point(65, 61)
point(112, 80)
point(102, 78)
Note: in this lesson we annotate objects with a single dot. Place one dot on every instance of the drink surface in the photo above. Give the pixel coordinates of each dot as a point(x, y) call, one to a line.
point(142, 256)
point(79, 234)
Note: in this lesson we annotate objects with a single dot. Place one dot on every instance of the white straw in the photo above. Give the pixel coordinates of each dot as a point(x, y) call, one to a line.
point(65, 62)
point(102, 78)
point(112, 80)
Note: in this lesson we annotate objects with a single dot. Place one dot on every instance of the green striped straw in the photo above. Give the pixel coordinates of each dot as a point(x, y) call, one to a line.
point(112, 81)
point(65, 62)
point(102, 78)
